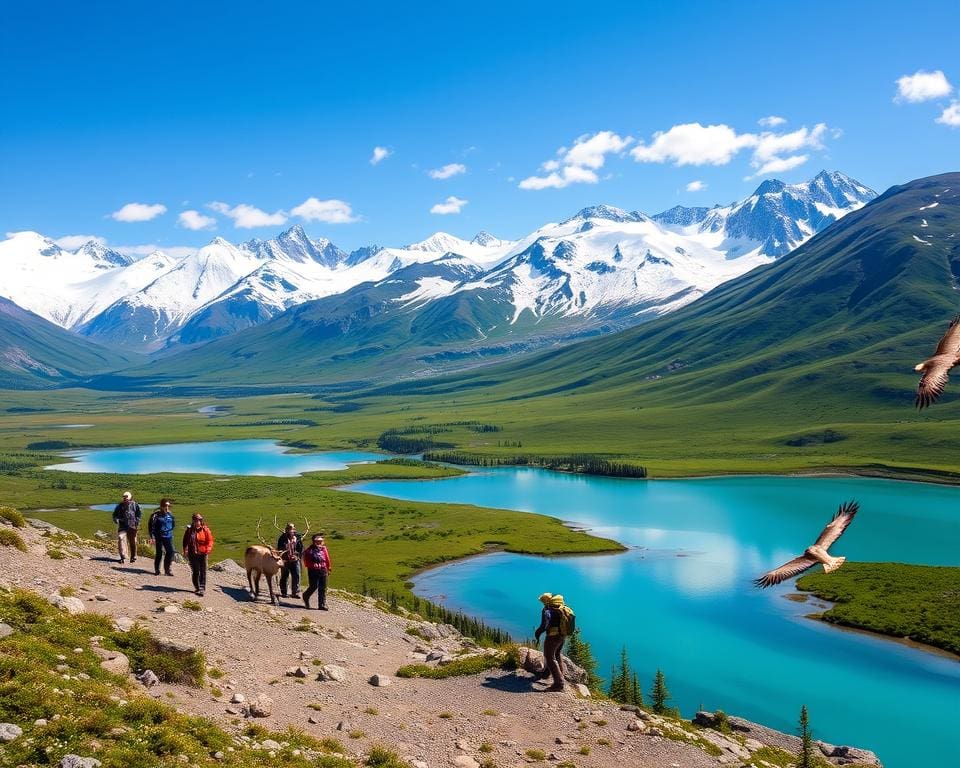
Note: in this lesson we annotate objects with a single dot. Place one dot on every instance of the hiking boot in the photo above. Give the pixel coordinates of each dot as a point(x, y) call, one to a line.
point(296, 595)
point(306, 602)
point(156, 573)
point(324, 608)
point(545, 674)
point(121, 561)
point(284, 594)
point(200, 594)
point(166, 573)
point(133, 559)
point(554, 688)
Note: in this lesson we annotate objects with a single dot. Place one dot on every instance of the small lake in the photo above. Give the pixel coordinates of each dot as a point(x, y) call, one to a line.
point(226, 457)
point(681, 597)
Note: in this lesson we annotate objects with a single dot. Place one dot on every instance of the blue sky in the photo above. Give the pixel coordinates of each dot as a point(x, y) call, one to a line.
point(253, 118)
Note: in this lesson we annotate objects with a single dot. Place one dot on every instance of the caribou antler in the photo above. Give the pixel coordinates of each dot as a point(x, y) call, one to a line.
point(275, 523)
point(259, 535)
point(306, 530)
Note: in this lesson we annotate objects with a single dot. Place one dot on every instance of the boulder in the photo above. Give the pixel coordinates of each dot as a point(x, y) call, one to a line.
point(636, 725)
point(148, 678)
point(5, 630)
point(123, 623)
point(464, 761)
point(238, 698)
point(75, 761)
point(532, 661)
point(9, 732)
point(72, 605)
point(175, 647)
point(270, 744)
point(331, 673)
point(102, 535)
point(582, 690)
point(116, 662)
point(300, 672)
point(261, 706)
point(842, 755)
point(230, 567)
point(380, 681)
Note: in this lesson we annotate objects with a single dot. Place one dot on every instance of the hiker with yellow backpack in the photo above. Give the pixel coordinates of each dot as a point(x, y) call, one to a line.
point(558, 621)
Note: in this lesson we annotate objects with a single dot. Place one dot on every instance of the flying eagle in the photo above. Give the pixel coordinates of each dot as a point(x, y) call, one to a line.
point(936, 370)
point(818, 552)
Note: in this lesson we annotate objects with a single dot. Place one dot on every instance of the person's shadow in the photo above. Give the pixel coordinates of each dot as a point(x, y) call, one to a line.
point(511, 683)
point(163, 588)
point(240, 594)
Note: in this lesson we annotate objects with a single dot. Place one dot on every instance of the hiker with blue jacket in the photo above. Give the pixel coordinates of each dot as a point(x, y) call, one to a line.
point(160, 529)
point(127, 517)
point(555, 623)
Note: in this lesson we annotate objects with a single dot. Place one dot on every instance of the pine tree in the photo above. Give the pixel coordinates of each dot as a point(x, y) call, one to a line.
point(659, 695)
point(636, 695)
point(620, 678)
point(581, 654)
point(805, 757)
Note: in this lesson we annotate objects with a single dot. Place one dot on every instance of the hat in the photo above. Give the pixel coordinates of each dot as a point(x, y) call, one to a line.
point(127, 495)
point(290, 526)
point(316, 536)
point(545, 598)
point(556, 601)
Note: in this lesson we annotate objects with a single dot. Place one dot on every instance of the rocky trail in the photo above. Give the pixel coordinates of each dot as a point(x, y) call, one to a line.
point(332, 673)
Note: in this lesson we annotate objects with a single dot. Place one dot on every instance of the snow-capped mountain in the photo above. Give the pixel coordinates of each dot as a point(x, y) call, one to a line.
point(778, 216)
point(603, 265)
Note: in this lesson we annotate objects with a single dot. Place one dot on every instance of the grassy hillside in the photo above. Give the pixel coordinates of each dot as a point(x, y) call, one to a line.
point(36, 354)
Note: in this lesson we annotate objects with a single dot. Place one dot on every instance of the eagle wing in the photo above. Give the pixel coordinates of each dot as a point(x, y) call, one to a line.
point(950, 343)
point(933, 382)
point(838, 524)
point(786, 571)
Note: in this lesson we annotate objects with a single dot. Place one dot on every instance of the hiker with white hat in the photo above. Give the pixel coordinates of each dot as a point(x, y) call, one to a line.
point(127, 517)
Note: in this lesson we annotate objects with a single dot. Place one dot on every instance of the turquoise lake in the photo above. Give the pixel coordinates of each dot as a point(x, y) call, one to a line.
point(227, 457)
point(681, 598)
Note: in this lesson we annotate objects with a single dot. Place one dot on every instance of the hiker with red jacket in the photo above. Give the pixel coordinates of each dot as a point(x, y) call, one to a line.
point(316, 559)
point(197, 544)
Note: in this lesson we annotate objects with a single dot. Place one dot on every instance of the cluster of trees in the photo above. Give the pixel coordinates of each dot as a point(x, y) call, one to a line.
point(466, 625)
point(625, 688)
point(584, 463)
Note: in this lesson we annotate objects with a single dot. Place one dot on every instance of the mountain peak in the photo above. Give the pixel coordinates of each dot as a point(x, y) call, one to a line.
point(608, 212)
point(439, 242)
point(103, 256)
point(770, 186)
point(485, 238)
point(296, 231)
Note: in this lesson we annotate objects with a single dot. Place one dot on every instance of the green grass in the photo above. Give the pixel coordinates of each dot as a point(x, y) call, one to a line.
point(918, 602)
point(472, 665)
point(12, 516)
point(100, 714)
point(537, 755)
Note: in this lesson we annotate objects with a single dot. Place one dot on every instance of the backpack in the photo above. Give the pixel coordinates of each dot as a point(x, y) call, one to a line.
point(568, 620)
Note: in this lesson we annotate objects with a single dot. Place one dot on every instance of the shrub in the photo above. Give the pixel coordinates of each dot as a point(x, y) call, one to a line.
point(537, 755)
point(471, 665)
point(381, 757)
point(10, 538)
point(12, 516)
point(145, 652)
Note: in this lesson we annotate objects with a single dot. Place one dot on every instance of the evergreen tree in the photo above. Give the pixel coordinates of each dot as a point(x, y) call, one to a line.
point(581, 654)
point(620, 679)
point(636, 695)
point(805, 758)
point(659, 695)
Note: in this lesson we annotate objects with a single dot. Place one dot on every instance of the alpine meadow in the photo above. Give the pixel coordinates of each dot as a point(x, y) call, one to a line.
point(580, 383)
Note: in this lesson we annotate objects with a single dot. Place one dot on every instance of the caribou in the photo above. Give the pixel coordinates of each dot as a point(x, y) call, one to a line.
point(264, 560)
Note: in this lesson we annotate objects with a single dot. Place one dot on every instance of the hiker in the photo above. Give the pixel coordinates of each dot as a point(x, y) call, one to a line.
point(160, 529)
point(555, 622)
point(197, 544)
point(290, 545)
point(316, 559)
point(127, 517)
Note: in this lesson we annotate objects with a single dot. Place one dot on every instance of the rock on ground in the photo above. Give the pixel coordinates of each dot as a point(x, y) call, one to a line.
point(9, 731)
point(72, 605)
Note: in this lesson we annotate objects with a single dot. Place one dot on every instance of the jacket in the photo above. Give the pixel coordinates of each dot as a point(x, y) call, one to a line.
point(317, 559)
point(282, 545)
point(161, 525)
point(125, 513)
point(198, 542)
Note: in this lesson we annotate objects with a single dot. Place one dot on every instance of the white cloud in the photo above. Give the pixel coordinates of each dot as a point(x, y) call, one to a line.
point(951, 115)
point(249, 217)
point(693, 144)
point(451, 169)
point(577, 164)
point(139, 212)
point(72, 242)
point(696, 144)
point(379, 153)
point(781, 164)
point(922, 86)
point(329, 211)
point(696, 186)
point(450, 205)
point(771, 121)
point(196, 221)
